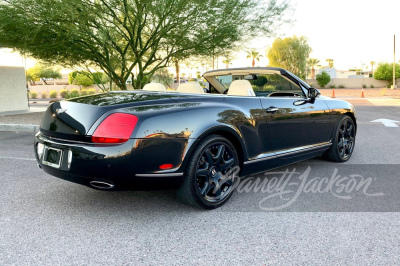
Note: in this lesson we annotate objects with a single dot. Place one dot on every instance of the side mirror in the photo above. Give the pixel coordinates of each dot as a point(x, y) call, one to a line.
point(313, 93)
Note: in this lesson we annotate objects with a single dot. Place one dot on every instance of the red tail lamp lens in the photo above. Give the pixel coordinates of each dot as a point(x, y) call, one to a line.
point(166, 166)
point(116, 128)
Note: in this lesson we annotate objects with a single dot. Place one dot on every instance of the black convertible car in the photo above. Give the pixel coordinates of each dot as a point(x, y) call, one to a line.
point(247, 121)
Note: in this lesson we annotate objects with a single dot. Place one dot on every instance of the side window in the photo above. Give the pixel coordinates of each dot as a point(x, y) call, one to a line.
point(274, 85)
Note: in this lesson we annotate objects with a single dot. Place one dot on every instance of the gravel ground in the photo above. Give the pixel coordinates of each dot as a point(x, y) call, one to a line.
point(29, 118)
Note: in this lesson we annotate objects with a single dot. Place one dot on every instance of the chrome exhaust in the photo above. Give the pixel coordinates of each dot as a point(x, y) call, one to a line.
point(101, 185)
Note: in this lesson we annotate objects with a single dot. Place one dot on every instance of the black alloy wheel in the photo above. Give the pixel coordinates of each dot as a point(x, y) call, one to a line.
point(344, 142)
point(209, 179)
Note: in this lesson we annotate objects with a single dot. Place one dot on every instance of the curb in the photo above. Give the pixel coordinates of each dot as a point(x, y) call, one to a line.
point(19, 128)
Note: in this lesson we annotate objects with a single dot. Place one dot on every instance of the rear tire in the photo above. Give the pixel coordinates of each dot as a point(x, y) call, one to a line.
point(206, 184)
point(344, 141)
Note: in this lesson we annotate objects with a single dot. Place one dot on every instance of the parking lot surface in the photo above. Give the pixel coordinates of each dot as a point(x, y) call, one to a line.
point(48, 221)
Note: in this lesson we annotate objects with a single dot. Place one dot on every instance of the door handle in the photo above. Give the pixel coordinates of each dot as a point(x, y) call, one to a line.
point(272, 109)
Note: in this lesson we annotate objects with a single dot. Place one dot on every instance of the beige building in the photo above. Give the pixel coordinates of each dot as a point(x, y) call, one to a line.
point(13, 93)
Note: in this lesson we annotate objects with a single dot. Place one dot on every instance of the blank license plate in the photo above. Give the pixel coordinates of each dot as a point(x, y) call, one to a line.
point(52, 157)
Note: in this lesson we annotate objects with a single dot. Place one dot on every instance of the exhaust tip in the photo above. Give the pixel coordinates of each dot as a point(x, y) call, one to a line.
point(101, 185)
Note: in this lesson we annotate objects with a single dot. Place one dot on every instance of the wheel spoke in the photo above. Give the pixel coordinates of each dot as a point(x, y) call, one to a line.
point(350, 129)
point(227, 164)
point(220, 154)
point(225, 181)
point(340, 143)
point(347, 150)
point(202, 172)
point(217, 191)
point(345, 125)
point(206, 189)
point(209, 158)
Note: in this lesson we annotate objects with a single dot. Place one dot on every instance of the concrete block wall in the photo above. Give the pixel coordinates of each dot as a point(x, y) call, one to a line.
point(13, 93)
point(352, 83)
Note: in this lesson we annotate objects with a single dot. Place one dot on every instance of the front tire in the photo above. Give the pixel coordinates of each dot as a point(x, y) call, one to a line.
point(208, 183)
point(344, 141)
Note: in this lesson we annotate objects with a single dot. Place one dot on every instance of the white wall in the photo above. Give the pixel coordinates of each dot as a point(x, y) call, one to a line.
point(352, 83)
point(13, 94)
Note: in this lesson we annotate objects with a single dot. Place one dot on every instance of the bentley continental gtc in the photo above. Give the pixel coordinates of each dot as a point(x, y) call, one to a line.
point(244, 121)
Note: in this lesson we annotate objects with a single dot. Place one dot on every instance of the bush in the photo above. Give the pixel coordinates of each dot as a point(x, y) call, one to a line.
point(364, 86)
point(91, 91)
point(84, 92)
point(269, 88)
point(255, 87)
point(53, 94)
point(323, 79)
point(341, 87)
point(372, 86)
point(72, 94)
point(260, 81)
point(82, 80)
point(44, 95)
point(34, 94)
point(63, 93)
point(71, 76)
point(332, 86)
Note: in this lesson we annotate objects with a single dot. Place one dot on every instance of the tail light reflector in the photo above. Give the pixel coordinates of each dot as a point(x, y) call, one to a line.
point(116, 128)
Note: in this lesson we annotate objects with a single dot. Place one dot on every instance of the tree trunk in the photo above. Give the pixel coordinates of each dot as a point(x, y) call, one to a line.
point(313, 73)
point(177, 71)
point(254, 62)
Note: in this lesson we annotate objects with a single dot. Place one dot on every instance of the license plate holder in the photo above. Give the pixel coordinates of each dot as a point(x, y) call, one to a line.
point(52, 157)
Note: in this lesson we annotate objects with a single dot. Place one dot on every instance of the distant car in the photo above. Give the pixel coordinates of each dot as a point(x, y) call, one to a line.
point(252, 119)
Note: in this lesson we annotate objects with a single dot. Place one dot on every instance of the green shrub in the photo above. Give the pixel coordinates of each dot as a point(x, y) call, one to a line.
point(72, 94)
point(84, 92)
point(91, 91)
point(364, 86)
point(71, 76)
point(323, 79)
point(332, 86)
point(372, 86)
point(63, 93)
point(341, 86)
point(34, 94)
point(82, 80)
point(53, 94)
point(255, 87)
point(44, 95)
point(269, 88)
point(260, 81)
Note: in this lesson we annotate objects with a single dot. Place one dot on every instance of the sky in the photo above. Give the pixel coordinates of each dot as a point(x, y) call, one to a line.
point(352, 32)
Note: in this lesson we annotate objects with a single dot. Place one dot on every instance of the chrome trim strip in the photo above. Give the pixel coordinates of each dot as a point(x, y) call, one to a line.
point(159, 175)
point(262, 158)
point(289, 152)
point(304, 148)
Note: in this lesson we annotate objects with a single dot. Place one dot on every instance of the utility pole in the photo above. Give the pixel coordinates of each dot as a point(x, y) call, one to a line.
point(394, 63)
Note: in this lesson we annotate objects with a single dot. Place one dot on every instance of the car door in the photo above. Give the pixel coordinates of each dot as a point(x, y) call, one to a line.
point(293, 123)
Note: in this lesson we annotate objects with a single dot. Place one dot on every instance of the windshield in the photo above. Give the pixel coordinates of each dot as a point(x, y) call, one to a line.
point(263, 85)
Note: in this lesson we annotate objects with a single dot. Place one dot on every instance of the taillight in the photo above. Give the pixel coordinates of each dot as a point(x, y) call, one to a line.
point(116, 128)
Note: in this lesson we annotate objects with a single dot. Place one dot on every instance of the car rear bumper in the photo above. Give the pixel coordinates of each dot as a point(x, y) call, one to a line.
point(131, 165)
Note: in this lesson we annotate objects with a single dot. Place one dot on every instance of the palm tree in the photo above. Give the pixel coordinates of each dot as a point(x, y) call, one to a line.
point(227, 61)
point(372, 66)
point(254, 55)
point(330, 62)
point(312, 62)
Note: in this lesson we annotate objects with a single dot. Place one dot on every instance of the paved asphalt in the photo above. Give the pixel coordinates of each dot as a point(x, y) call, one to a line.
point(47, 221)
